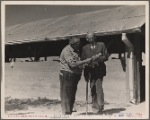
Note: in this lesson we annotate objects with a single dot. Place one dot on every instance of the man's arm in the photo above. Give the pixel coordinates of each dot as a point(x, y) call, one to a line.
point(104, 56)
point(79, 63)
point(72, 62)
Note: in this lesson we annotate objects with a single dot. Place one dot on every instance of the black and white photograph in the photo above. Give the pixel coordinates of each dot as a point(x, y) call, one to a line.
point(82, 60)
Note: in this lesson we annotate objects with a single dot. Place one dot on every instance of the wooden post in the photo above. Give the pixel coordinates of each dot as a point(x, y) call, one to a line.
point(119, 55)
point(131, 76)
point(138, 64)
point(127, 78)
point(129, 68)
point(31, 59)
point(45, 58)
point(14, 59)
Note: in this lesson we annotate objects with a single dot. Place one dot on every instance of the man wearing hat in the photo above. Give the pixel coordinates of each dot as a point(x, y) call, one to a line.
point(70, 73)
point(95, 71)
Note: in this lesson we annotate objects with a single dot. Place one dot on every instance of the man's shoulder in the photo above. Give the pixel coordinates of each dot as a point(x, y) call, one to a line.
point(86, 46)
point(66, 48)
point(100, 43)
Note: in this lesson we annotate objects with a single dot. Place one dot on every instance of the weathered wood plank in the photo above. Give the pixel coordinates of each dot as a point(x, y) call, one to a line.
point(104, 22)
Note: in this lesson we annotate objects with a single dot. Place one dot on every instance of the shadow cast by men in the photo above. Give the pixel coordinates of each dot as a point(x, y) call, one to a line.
point(106, 112)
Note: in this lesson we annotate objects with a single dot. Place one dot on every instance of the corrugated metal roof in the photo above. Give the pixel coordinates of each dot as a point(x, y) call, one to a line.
point(103, 22)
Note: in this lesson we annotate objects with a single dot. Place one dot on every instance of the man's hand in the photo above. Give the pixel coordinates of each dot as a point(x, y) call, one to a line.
point(95, 57)
point(88, 60)
point(83, 66)
point(99, 57)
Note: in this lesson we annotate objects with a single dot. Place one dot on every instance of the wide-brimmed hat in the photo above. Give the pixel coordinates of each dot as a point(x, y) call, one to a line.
point(73, 40)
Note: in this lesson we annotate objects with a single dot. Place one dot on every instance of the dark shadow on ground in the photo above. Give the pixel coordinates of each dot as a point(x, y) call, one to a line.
point(106, 112)
point(22, 113)
point(22, 104)
point(113, 110)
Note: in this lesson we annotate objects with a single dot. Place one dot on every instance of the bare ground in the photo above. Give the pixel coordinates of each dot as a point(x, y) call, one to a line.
point(32, 91)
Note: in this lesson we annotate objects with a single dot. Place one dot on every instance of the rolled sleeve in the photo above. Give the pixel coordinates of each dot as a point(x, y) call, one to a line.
point(69, 58)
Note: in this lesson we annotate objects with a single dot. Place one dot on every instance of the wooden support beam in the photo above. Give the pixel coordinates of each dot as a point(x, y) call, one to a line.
point(34, 50)
point(127, 78)
point(131, 77)
point(138, 65)
point(14, 59)
point(129, 69)
point(31, 59)
point(119, 55)
point(45, 58)
point(11, 59)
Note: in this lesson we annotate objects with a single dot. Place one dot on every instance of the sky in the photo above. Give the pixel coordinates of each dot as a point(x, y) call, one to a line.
point(17, 14)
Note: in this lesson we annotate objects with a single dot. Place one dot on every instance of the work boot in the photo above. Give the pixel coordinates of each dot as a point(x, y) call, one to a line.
point(101, 108)
point(74, 110)
point(95, 109)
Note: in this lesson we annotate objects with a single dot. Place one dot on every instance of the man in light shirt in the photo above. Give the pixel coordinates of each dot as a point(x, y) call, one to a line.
point(70, 74)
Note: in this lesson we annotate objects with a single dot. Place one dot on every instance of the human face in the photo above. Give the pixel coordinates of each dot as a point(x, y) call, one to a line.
point(77, 44)
point(90, 38)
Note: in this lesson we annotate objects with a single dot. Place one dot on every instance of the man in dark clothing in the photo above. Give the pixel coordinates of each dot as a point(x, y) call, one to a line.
point(95, 71)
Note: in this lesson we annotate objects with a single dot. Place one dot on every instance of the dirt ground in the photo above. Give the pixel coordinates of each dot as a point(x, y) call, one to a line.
point(49, 109)
point(32, 91)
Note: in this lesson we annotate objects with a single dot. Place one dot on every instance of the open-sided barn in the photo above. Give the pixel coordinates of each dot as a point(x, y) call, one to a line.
point(122, 29)
point(31, 37)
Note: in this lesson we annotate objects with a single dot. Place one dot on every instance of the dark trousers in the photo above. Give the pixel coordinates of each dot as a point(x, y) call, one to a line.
point(96, 75)
point(97, 93)
point(68, 87)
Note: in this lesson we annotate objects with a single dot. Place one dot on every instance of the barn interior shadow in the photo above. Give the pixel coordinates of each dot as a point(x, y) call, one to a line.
point(106, 112)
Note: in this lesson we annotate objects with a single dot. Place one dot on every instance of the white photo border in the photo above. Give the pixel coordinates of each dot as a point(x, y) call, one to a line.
point(69, 3)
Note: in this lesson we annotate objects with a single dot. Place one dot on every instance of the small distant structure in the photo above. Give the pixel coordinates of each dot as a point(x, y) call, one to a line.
point(12, 64)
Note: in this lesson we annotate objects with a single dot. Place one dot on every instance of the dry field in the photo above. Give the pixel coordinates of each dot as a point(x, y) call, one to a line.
point(32, 91)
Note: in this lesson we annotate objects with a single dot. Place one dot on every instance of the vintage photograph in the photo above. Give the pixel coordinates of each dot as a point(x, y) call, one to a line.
point(82, 60)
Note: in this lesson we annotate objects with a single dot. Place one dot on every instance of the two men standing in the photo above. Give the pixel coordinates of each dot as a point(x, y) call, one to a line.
point(72, 64)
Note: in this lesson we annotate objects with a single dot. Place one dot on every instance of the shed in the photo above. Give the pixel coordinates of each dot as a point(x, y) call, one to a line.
point(126, 22)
